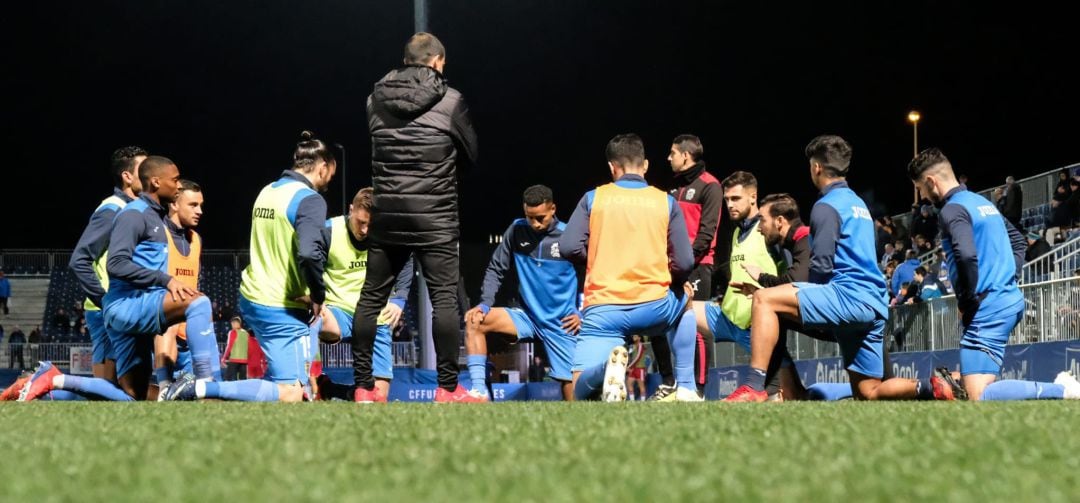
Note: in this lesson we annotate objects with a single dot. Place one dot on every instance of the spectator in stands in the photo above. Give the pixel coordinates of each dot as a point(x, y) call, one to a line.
point(15, 348)
point(963, 179)
point(256, 366)
point(929, 286)
point(905, 272)
point(1014, 202)
point(235, 356)
point(61, 322)
point(84, 335)
point(1060, 209)
point(1063, 182)
point(5, 292)
point(883, 234)
point(537, 370)
point(890, 252)
point(899, 250)
point(924, 222)
point(923, 245)
point(909, 291)
point(899, 232)
point(1037, 247)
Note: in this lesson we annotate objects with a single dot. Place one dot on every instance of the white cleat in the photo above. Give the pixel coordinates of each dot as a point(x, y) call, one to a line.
point(615, 376)
point(687, 395)
point(1071, 385)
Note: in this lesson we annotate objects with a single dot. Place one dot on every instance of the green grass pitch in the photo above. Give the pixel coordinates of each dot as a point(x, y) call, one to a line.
point(848, 451)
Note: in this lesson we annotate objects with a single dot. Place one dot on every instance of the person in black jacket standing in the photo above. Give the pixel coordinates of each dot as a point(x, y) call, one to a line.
point(701, 199)
point(420, 134)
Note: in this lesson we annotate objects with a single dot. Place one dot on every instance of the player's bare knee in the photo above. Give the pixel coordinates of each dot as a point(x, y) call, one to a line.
point(290, 393)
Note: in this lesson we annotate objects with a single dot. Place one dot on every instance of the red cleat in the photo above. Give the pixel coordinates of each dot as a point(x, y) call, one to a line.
point(372, 395)
point(11, 393)
point(745, 393)
point(942, 389)
point(459, 395)
point(40, 383)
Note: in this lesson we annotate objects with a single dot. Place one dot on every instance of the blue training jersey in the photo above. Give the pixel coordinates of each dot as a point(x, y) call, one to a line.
point(842, 247)
point(547, 283)
point(138, 248)
point(982, 252)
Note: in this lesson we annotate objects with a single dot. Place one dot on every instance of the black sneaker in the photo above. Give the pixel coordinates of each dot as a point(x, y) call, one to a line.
point(662, 392)
point(958, 391)
point(181, 389)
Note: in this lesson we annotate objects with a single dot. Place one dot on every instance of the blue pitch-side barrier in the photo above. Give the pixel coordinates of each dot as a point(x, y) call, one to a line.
point(1032, 362)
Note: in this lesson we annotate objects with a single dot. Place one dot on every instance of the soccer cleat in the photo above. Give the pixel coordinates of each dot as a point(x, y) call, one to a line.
point(776, 397)
point(958, 391)
point(1071, 385)
point(372, 395)
point(182, 389)
point(11, 393)
point(662, 392)
point(745, 393)
point(460, 395)
point(942, 389)
point(615, 375)
point(39, 383)
point(683, 395)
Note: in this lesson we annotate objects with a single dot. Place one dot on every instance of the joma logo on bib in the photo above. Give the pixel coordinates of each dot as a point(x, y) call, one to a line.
point(263, 213)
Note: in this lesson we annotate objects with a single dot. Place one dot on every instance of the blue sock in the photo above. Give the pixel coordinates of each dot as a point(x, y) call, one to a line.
point(924, 389)
point(683, 341)
point(829, 391)
point(590, 382)
point(1023, 390)
point(162, 375)
point(62, 395)
point(477, 372)
point(93, 387)
point(201, 340)
point(755, 378)
point(248, 390)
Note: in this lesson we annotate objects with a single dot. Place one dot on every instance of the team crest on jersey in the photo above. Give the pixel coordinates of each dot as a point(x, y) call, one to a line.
point(689, 194)
point(555, 250)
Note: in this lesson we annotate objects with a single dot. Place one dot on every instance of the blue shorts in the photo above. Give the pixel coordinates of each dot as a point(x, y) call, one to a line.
point(607, 325)
point(723, 329)
point(857, 327)
point(558, 344)
point(99, 338)
point(135, 311)
point(132, 319)
point(284, 337)
point(382, 363)
point(982, 346)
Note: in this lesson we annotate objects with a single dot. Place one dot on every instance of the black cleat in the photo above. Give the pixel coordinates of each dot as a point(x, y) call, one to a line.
point(958, 391)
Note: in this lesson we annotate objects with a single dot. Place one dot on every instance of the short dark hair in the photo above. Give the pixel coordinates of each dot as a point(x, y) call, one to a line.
point(236, 319)
point(537, 195)
point(921, 271)
point(422, 47)
point(924, 161)
point(364, 199)
point(832, 152)
point(153, 166)
point(910, 254)
point(626, 150)
point(189, 185)
point(310, 150)
point(744, 178)
point(781, 205)
point(123, 161)
point(689, 144)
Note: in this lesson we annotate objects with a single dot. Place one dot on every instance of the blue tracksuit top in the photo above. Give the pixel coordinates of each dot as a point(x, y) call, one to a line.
point(138, 248)
point(842, 247)
point(983, 253)
point(547, 283)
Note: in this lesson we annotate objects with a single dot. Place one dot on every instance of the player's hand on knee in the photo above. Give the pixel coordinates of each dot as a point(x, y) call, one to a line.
point(391, 313)
point(746, 289)
point(474, 316)
point(180, 292)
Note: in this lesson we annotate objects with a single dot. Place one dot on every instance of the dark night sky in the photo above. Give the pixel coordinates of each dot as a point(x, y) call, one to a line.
point(224, 88)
